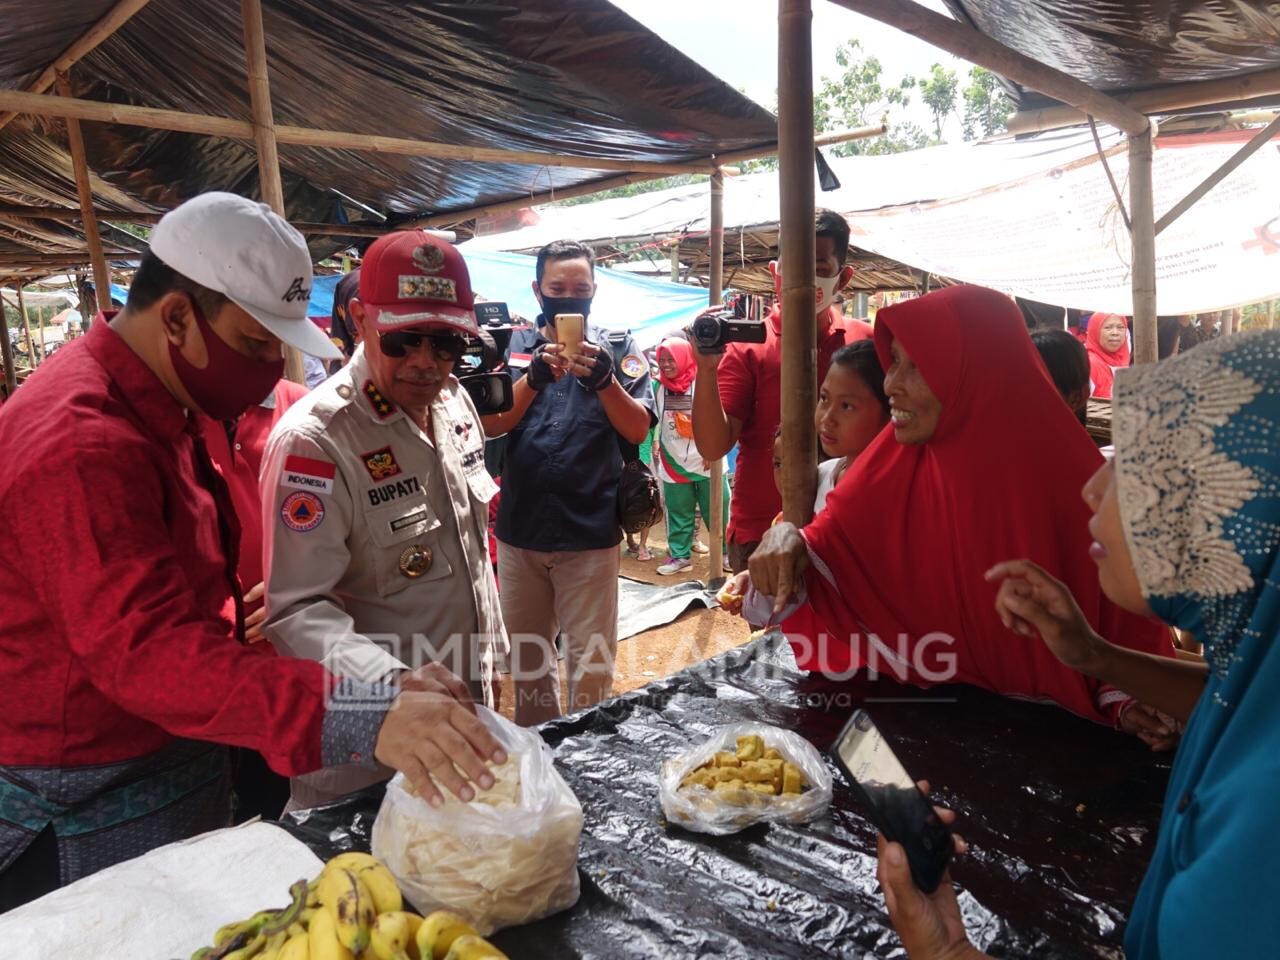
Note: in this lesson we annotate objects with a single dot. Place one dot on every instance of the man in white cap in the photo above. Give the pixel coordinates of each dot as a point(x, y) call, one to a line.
point(375, 496)
point(121, 652)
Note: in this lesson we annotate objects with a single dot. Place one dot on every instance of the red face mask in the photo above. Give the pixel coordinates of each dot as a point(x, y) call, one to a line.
point(229, 383)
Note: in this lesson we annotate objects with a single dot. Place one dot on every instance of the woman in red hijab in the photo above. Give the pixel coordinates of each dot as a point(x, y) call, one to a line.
point(1108, 346)
point(984, 460)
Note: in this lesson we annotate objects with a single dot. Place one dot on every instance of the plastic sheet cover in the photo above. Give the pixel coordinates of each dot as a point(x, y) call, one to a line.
point(1060, 815)
point(535, 75)
point(1131, 46)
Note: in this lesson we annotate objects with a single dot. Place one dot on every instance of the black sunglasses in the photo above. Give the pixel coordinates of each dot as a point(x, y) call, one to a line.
point(444, 346)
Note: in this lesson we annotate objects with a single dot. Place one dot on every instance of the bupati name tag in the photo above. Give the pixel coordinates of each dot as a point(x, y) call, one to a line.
point(394, 491)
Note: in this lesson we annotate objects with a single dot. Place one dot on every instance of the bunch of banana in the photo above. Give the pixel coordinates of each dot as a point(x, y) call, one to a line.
point(352, 911)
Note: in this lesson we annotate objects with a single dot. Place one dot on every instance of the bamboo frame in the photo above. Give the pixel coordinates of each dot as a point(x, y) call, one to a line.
point(715, 286)
point(264, 136)
point(1256, 143)
point(264, 139)
point(6, 354)
point(158, 119)
point(798, 251)
point(86, 44)
point(26, 325)
point(75, 142)
point(20, 212)
point(1143, 236)
point(969, 44)
point(1251, 86)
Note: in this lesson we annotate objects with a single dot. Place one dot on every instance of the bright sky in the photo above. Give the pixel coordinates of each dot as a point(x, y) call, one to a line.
point(737, 40)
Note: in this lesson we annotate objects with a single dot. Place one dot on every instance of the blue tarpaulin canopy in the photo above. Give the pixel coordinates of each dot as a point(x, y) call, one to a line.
point(650, 309)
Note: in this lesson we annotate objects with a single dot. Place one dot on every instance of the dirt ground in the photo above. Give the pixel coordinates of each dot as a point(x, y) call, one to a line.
point(695, 636)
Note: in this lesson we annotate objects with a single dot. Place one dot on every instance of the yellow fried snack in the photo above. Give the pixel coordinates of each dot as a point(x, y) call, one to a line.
point(754, 770)
point(792, 779)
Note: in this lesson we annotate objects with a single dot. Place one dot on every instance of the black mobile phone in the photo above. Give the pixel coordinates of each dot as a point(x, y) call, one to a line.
point(895, 803)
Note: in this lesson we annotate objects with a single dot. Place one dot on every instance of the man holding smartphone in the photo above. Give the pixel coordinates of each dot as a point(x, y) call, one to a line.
point(558, 518)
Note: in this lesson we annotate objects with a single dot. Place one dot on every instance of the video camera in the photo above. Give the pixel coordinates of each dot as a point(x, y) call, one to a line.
point(490, 389)
point(712, 331)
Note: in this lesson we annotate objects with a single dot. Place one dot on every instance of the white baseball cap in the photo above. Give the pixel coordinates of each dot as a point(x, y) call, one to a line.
point(252, 256)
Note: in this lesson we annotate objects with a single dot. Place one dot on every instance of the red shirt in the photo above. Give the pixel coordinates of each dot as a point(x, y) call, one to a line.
point(118, 631)
point(238, 458)
point(750, 381)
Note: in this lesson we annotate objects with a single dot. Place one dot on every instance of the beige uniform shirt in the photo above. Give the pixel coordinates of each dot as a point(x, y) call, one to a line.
point(376, 540)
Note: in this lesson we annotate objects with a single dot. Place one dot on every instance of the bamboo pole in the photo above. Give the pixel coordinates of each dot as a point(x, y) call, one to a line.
point(1260, 139)
point(26, 324)
point(151, 117)
point(264, 138)
point(1143, 236)
point(1271, 314)
point(969, 44)
point(101, 276)
point(822, 140)
point(715, 522)
point(6, 353)
point(1183, 96)
point(86, 44)
point(38, 260)
point(798, 246)
point(22, 212)
point(44, 352)
point(675, 261)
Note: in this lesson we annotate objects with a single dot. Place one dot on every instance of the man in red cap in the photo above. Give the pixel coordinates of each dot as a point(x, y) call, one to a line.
point(121, 652)
point(375, 496)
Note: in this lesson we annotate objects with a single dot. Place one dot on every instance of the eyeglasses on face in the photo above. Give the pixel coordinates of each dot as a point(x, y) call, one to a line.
point(444, 346)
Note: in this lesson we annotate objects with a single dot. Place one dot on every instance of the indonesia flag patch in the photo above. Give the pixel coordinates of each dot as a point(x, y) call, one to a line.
point(518, 361)
point(308, 474)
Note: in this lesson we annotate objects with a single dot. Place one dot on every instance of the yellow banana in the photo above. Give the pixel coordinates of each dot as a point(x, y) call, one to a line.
point(470, 947)
point(352, 860)
point(347, 901)
point(438, 931)
point(392, 934)
point(382, 887)
point(275, 943)
point(322, 939)
point(295, 948)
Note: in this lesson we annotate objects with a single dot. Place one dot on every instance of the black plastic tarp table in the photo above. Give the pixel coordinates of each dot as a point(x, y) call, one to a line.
point(1060, 815)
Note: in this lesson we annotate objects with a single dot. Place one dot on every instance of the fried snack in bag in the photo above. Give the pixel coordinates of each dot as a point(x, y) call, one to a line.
point(746, 773)
point(508, 857)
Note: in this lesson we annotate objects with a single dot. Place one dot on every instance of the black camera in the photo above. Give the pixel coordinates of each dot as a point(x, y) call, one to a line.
point(490, 389)
point(713, 330)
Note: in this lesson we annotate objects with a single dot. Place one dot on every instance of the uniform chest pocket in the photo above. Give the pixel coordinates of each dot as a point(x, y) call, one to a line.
point(406, 538)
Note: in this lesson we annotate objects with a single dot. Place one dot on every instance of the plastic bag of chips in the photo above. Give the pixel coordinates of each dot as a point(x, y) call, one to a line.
point(508, 857)
point(745, 774)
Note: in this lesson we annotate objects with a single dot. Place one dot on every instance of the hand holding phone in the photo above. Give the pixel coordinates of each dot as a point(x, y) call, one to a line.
point(893, 801)
point(570, 331)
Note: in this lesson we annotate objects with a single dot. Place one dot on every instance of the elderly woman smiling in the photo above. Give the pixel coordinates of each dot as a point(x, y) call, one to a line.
point(983, 462)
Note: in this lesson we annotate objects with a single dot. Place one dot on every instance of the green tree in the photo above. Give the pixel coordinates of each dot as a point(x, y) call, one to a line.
point(938, 91)
point(987, 107)
point(860, 96)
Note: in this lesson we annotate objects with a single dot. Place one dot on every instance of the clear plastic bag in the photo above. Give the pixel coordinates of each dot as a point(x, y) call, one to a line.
point(508, 857)
point(699, 809)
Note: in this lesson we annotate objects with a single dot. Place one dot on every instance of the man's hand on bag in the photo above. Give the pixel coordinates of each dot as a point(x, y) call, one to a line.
point(433, 736)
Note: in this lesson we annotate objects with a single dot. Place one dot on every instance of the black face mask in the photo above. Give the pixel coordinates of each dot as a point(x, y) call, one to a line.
point(551, 306)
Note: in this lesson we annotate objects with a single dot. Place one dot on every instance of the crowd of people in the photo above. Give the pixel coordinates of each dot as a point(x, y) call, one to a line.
point(204, 555)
